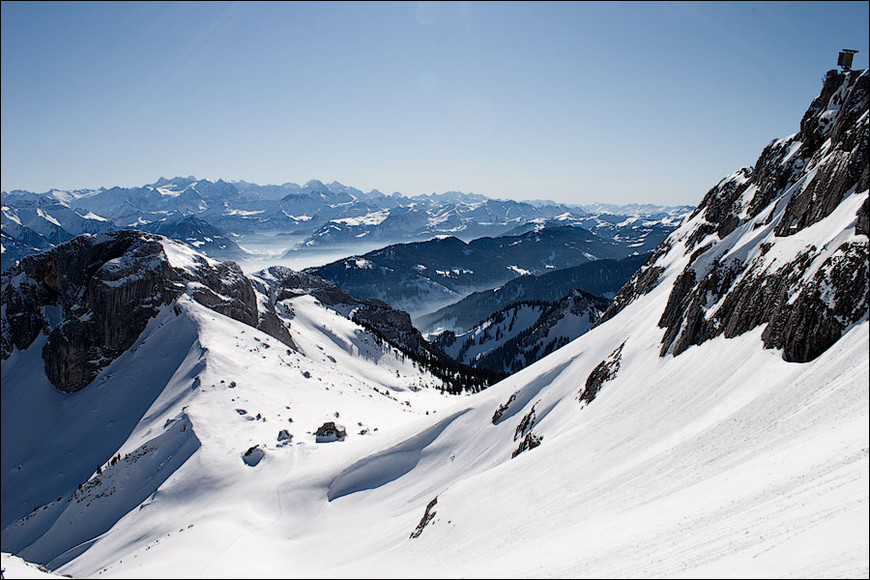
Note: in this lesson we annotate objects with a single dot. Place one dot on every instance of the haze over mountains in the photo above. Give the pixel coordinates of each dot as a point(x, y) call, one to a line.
point(165, 414)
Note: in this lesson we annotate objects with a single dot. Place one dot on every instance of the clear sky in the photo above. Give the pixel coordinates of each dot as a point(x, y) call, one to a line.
point(649, 102)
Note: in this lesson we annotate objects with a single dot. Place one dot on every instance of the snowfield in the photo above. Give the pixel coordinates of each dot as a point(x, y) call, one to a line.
point(722, 461)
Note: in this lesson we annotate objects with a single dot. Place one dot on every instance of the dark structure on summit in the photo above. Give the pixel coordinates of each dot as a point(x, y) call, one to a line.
point(845, 59)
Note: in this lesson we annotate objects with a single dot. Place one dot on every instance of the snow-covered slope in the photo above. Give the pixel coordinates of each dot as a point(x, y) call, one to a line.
point(15, 567)
point(518, 335)
point(73, 464)
point(627, 453)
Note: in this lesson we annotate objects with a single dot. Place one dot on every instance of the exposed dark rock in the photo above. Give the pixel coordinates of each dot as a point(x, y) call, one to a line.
point(229, 292)
point(106, 287)
point(605, 371)
point(862, 226)
point(701, 232)
point(844, 166)
point(329, 432)
point(720, 205)
point(274, 327)
point(526, 424)
point(284, 283)
point(103, 290)
point(393, 325)
point(684, 316)
point(23, 322)
point(834, 299)
point(253, 456)
point(775, 172)
point(811, 172)
point(428, 516)
point(803, 327)
point(496, 417)
point(530, 441)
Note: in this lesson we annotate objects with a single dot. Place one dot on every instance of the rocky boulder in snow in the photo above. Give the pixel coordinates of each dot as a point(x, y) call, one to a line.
point(329, 432)
point(253, 456)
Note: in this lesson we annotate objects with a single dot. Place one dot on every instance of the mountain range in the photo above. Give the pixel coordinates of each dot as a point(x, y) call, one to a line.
point(426, 276)
point(239, 220)
point(713, 421)
point(601, 278)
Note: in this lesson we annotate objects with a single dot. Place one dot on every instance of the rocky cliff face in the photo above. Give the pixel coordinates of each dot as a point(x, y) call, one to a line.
point(782, 244)
point(94, 295)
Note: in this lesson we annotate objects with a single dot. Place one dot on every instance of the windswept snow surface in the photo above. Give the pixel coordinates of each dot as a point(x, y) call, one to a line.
point(180, 409)
point(723, 461)
point(15, 567)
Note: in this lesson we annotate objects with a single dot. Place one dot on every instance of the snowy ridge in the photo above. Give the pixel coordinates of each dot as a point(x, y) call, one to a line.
point(209, 354)
point(769, 458)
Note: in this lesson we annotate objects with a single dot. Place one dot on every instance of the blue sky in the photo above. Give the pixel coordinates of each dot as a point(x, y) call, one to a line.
point(577, 102)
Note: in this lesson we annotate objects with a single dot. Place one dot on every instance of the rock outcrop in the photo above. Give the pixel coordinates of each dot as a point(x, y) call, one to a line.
point(94, 295)
point(253, 456)
point(329, 432)
point(605, 371)
point(806, 307)
point(751, 253)
point(428, 516)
